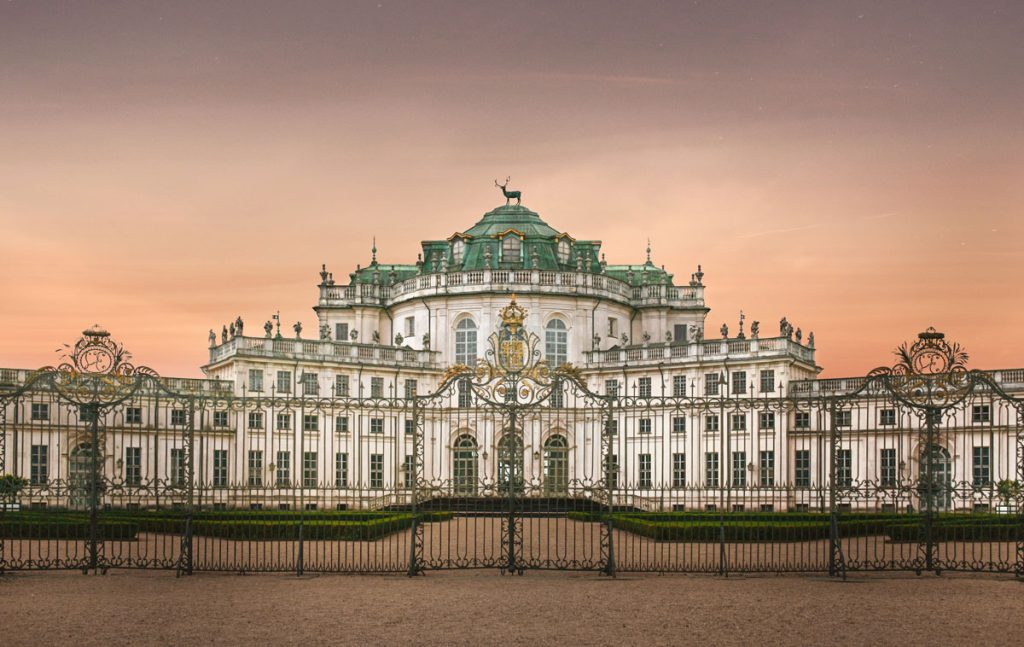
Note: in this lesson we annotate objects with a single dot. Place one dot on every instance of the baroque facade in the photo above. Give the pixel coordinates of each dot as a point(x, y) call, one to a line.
point(647, 402)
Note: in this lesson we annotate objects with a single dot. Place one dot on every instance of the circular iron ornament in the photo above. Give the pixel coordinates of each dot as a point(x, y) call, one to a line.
point(931, 372)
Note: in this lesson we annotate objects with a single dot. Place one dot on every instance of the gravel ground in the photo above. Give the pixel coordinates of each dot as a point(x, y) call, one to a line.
point(483, 607)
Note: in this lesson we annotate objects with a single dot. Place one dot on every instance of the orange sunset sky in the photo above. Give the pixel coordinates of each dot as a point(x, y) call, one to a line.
point(854, 166)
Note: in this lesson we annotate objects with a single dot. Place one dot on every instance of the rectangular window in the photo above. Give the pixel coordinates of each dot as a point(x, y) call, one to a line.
point(133, 415)
point(88, 413)
point(284, 381)
point(220, 418)
point(133, 466)
point(408, 473)
point(309, 469)
point(465, 394)
point(739, 422)
point(341, 469)
point(410, 389)
point(844, 418)
point(613, 327)
point(888, 463)
point(376, 425)
point(739, 469)
point(644, 387)
point(220, 468)
point(377, 471)
point(887, 417)
point(410, 427)
point(678, 470)
point(341, 424)
point(557, 399)
point(376, 387)
point(739, 382)
point(255, 420)
point(982, 464)
point(177, 467)
point(679, 386)
point(40, 411)
point(802, 468)
point(981, 413)
point(611, 388)
point(341, 386)
point(310, 384)
point(179, 417)
point(711, 422)
point(283, 471)
point(711, 381)
point(613, 427)
point(284, 422)
point(679, 333)
point(644, 465)
point(39, 466)
point(613, 471)
point(255, 379)
point(768, 381)
point(341, 332)
point(711, 469)
point(766, 420)
point(410, 326)
point(678, 425)
point(645, 425)
point(256, 468)
point(767, 468)
point(310, 422)
point(844, 468)
point(802, 420)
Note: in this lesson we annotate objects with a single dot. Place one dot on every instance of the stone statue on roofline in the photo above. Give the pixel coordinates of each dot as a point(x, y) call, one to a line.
point(325, 332)
point(268, 329)
point(224, 335)
point(725, 331)
point(799, 335)
point(755, 329)
point(810, 339)
point(213, 338)
point(238, 325)
point(298, 329)
point(783, 327)
point(231, 330)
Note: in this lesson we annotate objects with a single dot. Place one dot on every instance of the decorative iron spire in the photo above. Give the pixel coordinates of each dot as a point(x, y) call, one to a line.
point(373, 252)
point(649, 251)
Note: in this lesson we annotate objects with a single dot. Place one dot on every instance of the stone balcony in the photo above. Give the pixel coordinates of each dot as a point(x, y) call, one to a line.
point(12, 378)
point(524, 281)
point(702, 351)
point(324, 351)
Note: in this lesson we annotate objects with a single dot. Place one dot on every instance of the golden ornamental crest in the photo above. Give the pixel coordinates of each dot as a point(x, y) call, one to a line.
point(512, 316)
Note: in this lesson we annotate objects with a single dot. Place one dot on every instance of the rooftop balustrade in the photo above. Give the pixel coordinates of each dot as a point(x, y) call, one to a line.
point(695, 351)
point(324, 350)
point(582, 283)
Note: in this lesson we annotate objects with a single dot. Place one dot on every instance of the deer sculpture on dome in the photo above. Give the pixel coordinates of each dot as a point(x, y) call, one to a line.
point(509, 194)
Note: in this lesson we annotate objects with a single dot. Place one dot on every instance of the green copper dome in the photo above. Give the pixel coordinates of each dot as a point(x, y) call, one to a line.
point(505, 217)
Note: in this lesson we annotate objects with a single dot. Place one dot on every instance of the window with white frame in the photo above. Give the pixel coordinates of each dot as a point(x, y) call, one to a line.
point(802, 420)
point(711, 469)
point(564, 251)
point(644, 387)
point(644, 480)
point(768, 380)
point(220, 419)
point(458, 250)
point(645, 426)
point(410, 389)
point(556, 343)
point(133, 415)
point(678, 425)
point(220, 468)
point(465, 342)
point(255, 420)
point(256, 467)
point(376, 470)
point(284, 381)
point(679, 386)
point(39, 467)
point(981, 413)
point(256, 379)
point(179, 417)
point(511, 248)
point(40, 411)
point(341, 424)
point(310, 384)
point(410, 326)
point(283, 422)
point(341, 386)
point(613, 327)
point(766, 420)
point(711, 381)
point(309, 469)
point(802, 468)
point(310, 422)
point(766, 470)
point(844, 418)
point(376, 387)
point(341, 469)
point(739, 382)
point(341, 332)
point(711, 422)
point(739, 469)
point(888, 475)
point(887, 417)
point(133, 466)
point(283, 471)
point(611, 388)
point(982, 465)
point(739, 422)
point(678, 470)
point(376, 425)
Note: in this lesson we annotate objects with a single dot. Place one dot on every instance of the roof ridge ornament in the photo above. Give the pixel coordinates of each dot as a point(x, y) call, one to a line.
point(509, 194)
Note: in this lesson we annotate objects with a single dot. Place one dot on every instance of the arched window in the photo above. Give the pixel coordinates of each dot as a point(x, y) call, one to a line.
point(465, 342)
point(556, 465)
point(464, 466)
point(511, 249)
point(510, 462)
point(458, 247)
point(556, 343)
point(564, 250)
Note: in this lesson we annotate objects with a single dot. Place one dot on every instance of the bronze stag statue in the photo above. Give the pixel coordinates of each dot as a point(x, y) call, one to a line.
point(509, 194)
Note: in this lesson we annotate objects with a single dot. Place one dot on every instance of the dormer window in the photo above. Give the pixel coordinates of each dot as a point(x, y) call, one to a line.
point(511, 249)
point(458, 247)
point(564, 249)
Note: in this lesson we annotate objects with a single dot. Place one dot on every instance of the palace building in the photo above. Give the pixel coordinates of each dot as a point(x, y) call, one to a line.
point(513, 356)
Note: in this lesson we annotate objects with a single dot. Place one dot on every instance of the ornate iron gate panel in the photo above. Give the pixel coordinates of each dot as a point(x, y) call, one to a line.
point(510, 463)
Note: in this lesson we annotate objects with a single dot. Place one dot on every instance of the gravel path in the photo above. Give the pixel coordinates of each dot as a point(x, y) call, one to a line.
point(482, 607)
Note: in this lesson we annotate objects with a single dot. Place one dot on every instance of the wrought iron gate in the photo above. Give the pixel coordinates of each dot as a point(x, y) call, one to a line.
point(510, 459)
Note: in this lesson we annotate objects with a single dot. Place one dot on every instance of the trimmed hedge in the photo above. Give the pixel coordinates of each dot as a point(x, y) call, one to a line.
point(71, 529)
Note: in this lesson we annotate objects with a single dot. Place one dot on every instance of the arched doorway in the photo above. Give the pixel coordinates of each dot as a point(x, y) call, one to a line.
point(510, 463)
point(556, 465)
point(80, 470)
point(939, 486)
point(464, 466)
